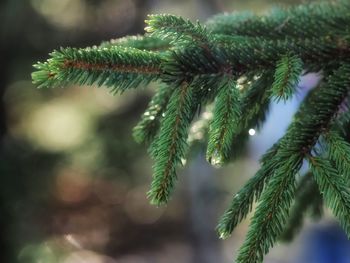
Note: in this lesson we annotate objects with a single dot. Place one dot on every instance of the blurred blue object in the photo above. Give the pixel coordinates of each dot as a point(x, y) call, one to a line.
point(326, 244)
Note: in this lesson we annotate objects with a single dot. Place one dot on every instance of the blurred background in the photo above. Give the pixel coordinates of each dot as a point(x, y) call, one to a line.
point(73, 182)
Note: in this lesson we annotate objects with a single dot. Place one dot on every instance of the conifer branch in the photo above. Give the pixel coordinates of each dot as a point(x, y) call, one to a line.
point(296, 144)
point(176, 28)
point(147, 128)
point(117, 67)
point(255, 103)
point(226, 115)
point(286, 77)
point(199, 64)
point(139, 42)
point(272, 211)
point(307, 195)
point(318, 110)
point(339, 152)
point(170, 146)
point(254, 106)
point(245, 55)
point(299, 139)
point(334, 190)
point(242, 202)
point(326, 16)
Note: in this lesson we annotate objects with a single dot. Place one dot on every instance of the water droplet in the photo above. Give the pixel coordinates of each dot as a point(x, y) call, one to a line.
point(151, 118)
point(242, 80)
point(216, 159)
point(183, 161)
point(223, 235)
point(251, 132)
point(207, 115)
point(163, 114)
point(146, 113)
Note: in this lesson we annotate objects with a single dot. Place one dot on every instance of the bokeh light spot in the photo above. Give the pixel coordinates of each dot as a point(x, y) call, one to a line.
point(251, 132)
point(58, 126)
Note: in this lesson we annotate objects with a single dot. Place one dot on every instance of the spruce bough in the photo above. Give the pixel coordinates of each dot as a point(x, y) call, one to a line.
point(234, 66)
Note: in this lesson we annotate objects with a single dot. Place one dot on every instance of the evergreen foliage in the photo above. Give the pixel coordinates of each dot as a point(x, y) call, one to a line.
point(169, 147)
point(339, 152)
point(334, 189)
point(117, 67)
point(238, 63)
point(287, 75)
point(307, 199)
point(147, 128)
point(243, 201)
point(226, 115)
point(271, 214)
